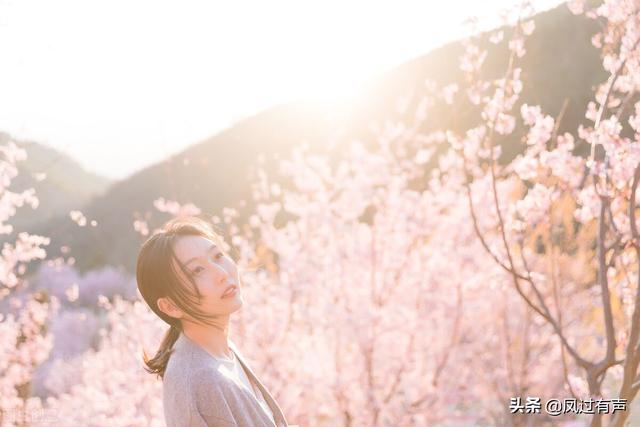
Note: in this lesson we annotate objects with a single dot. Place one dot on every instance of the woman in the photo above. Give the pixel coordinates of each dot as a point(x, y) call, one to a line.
point(193, 285)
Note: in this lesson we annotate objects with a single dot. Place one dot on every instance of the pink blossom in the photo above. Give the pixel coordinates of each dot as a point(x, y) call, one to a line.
point(535, 205)
point(517, 45)
point(526, 167)
point(528, 27)
point(496, 37)
point(174, 208)
point(505, 123)
point(141, 227)
point(78, 218)
point(530, 114)
point(472, 59)
point(576, 6)
point(448, 92)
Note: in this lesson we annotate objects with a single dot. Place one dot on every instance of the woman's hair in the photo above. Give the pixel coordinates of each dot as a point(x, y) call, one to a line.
point(157, 277)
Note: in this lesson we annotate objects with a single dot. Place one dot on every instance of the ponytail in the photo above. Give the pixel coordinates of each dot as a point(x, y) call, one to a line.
point(158, 364)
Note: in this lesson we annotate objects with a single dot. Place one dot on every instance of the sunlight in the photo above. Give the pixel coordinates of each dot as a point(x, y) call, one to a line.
point(148, 74)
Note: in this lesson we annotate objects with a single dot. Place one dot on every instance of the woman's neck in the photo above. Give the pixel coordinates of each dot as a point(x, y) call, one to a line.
point(214, 339)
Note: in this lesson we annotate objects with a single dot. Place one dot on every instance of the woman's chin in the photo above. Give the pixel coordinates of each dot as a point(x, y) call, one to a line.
point(237, 305)
point(236, 301)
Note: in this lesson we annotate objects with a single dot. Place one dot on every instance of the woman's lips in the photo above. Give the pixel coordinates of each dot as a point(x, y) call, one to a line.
point(231, 291)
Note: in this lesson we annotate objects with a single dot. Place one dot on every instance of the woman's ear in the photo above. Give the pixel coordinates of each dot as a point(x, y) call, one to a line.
point(169, 308)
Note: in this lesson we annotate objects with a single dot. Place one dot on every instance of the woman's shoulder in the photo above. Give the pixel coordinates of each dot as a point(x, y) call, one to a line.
point(183, 371)
point(189, 362)
point(193, 384)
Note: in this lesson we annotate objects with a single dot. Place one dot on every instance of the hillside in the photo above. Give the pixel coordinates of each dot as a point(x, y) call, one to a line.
point(560, 64)
point(66, 184)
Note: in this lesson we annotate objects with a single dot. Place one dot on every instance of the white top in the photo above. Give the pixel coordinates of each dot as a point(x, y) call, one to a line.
point(240, 377)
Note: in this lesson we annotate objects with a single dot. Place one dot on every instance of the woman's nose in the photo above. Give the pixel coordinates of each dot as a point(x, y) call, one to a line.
point(227, 268)
point(223, 273)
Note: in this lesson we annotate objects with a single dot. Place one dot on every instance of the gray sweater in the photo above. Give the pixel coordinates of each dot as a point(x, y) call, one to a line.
point(196, 392)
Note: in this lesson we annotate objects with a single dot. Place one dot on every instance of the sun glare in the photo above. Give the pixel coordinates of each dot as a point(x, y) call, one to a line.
point(123, 75)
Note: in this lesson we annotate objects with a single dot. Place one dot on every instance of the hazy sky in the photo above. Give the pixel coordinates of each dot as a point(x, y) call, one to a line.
point(121, 84)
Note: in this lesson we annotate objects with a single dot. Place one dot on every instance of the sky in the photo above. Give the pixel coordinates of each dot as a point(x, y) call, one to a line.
point(122, 84)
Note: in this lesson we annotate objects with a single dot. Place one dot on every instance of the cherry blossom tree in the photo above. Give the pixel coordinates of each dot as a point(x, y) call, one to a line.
point(381, 292)
point(548, 178)
point(25, 343)
point(385, 291)
point(375, 300)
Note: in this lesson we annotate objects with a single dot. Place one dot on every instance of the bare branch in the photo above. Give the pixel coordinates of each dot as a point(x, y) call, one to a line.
point(603, 106)
point(604, 283)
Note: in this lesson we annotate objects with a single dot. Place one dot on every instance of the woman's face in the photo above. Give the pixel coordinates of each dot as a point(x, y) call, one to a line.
point(212, 272)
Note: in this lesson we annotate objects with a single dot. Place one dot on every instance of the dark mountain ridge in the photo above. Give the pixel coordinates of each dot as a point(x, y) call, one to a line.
point(560, 66)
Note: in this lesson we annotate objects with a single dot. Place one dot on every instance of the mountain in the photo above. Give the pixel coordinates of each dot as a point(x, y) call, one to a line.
point(561, 66)
point(66, 185)
point(211, 174)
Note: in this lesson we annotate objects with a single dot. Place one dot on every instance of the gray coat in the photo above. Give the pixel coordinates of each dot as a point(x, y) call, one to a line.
point(197, 393)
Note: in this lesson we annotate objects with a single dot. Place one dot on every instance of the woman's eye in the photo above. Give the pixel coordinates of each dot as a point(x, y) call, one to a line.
point(197, 270)
point(219, 255)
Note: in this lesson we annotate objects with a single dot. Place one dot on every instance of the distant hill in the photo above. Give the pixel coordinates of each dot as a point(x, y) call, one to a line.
point(211, 174)
point(560, 63)
point(66, 184)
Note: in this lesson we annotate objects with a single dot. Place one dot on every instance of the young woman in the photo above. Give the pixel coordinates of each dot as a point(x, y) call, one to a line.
point(193, 285)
